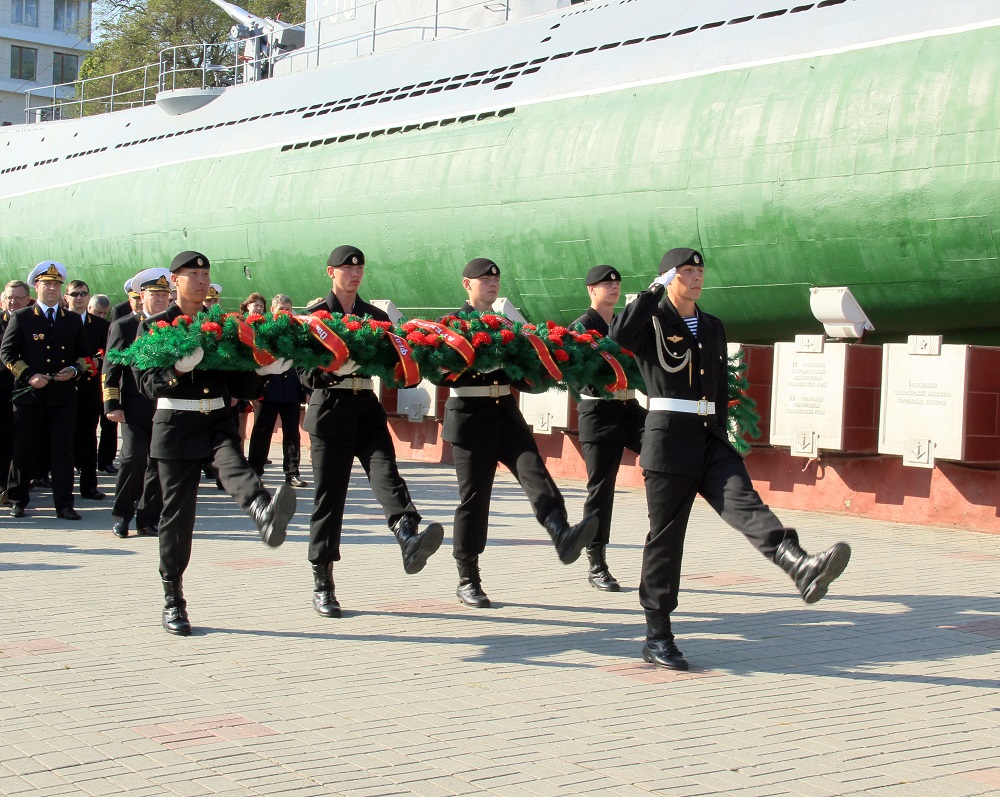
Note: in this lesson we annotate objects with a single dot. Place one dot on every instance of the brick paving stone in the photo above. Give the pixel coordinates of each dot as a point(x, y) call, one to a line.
point(888, 684)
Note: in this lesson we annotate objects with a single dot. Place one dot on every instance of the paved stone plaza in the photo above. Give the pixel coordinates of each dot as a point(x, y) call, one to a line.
point(889, 687)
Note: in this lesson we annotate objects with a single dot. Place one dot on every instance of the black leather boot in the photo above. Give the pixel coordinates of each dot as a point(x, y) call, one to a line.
point(599, 576)
point(811, 574)
point(659, 648)
point(570, 540)
point(272, 514)
point(175, 619)
point(417, 548)
point(324, 600)
point(470, 588)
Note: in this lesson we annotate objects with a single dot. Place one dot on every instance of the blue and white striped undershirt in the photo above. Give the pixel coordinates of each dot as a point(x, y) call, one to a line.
point(692, 324)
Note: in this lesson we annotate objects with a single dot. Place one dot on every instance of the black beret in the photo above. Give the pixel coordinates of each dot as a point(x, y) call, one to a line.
point(676, 258)
point(480, 267)
point(189, 260)
point(603, 274)
point(346, 256)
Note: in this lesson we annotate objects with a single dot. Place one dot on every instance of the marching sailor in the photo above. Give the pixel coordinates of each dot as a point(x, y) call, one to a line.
point(681, 352)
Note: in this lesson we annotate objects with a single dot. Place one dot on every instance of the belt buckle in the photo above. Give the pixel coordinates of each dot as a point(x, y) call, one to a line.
point(702, 407)
point(204, 406)
point(494, 391)
point(620, 395)
point(357, 383)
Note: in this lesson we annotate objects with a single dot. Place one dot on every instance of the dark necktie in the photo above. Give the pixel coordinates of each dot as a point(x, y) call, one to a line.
point(51, 312)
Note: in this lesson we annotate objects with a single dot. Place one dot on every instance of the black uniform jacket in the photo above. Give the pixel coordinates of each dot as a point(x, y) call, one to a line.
point(6, 377)
point(605, 421)
point(187, 434)
point(33, 346)
point(674, 442)
point(468, 420)
point(120, 310)
point(337, 414)
point(121, 391)
point(95, 333)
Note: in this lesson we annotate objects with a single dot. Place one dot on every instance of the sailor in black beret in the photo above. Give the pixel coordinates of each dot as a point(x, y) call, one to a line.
point(485, 427)
point(346, 255)
point(607, 426)
point(682, 354)
point(480, 267)
point(189, 259)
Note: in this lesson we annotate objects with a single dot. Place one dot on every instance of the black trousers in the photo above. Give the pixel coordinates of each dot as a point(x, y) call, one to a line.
point(263, 429)
point(6, 439)
point(107, 446)
point(603, 461)
point(35, 427)
point(137, 488)
point(179, 480)
point(476, 467)
point(332, 461)
point(88, 417)
point(725, 484)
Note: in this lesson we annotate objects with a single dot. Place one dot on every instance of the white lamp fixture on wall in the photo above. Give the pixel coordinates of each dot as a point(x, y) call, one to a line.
point(839, 312)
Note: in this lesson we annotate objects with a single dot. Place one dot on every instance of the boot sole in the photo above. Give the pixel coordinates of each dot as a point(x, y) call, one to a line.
point(430, 541)
point(588, 530)
point(284, 509)
point(836, 565)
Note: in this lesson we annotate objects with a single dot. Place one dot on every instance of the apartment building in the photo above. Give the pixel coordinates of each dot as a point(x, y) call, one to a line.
point(42, 42)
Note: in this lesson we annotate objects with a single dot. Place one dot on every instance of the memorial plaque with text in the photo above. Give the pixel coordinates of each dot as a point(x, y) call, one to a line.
point(807, 398)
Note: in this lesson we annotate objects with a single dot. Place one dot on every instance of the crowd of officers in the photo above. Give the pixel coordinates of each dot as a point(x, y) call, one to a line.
point(178, 422)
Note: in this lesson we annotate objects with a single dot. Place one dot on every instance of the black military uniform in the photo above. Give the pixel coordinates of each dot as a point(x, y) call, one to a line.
point(346, 421)
point(485, 427)
point(137, 488)
point(89, 408)
point(686, 452)
point(32, 344)
point(282, 398)
point(123, 309)
point(6, 415)
point(607, 426)
point(193, 425)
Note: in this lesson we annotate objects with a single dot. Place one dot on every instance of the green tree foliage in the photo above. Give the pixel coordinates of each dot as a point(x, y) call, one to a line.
point(134, 32)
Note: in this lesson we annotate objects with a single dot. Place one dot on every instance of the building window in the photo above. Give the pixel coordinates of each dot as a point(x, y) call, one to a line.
point(25, 12)
point(65, 67)
point(67, 16)
point(23, 61)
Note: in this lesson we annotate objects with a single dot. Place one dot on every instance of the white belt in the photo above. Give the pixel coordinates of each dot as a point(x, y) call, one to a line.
point(682, 405)
point(492, 391)
point(191, 405)
point(354, 383)
point(618, 395)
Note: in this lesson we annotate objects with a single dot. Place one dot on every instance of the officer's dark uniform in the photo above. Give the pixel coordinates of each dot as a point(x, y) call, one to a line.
point(6, 414)
point(32, 345)
point(137, 488)
point(346, 421)
point(485, 427)
point(607, 426)
point(89, 408)
point(121, 310)
point(686, 452)
point(199, 428)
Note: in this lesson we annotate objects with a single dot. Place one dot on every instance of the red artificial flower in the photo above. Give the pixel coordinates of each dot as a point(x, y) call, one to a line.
point(354, 326)
point(254, 318)
point(561, 355)
point(557, 330)
point(415, 337)
point(322, 314)
point(211, 328)
point(627, 353)
point(506, 336)
point(379, 324)
point(491, 321)
point(182, 319)
point(481, 339)
point(530, 327)
point(556, 339)
point(231, 315)
point(463, 325)
point(585, 338)
point(163, 324)
point(409, 326)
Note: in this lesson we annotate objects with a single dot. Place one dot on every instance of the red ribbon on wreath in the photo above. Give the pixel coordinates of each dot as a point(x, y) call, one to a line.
point(541, 350)
point(406, 369)
point(621, 381)
point(329, 339)
point(452, 339)
point(247, 337)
